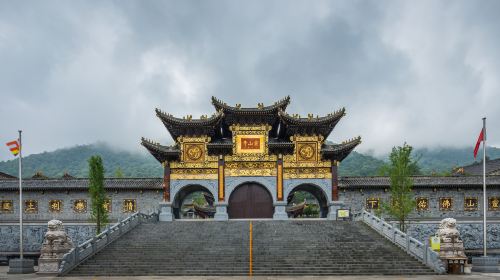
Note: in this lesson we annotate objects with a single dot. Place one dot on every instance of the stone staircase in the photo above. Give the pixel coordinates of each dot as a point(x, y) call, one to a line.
point(314, 247)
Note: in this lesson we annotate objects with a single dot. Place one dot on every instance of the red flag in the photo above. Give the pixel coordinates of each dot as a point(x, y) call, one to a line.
point(478, 143)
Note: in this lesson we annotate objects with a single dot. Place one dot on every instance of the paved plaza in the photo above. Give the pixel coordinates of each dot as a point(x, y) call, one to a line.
point(486, 276)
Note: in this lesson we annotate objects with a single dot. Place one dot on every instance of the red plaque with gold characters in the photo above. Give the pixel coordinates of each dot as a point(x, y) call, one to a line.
point(445, 203)
point(30, 206)
point(129, 205)
point(422, 203)
point(248, 143)
point(372, 203)
point(470, 204)
point(7, 206)
point(494, 203)
point(80, 206)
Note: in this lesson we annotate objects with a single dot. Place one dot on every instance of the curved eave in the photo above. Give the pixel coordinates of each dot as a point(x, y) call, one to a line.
point(220, 148)
point(161, 153)
point(437, 182)
point(339, 152)
point(170, 120)
point(281, 104)
point(284, 147)
point(328, 120)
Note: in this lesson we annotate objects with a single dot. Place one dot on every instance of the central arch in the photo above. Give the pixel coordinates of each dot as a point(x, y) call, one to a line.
point(250, 200)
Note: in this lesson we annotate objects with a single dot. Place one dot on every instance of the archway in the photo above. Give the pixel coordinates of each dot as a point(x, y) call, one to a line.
point(193, 201)
point(250, 200)
point(307, 201)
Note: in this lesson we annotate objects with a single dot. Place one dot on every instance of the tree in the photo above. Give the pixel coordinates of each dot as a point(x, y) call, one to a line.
point(400, 169)
point(118, 172)
point(98, 213)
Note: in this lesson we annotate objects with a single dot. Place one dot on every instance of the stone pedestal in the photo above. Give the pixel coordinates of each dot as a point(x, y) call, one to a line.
point(21, 266)
point(332, 209)
point(166, 212)
point(280, 211)
point(221, 212)
point(485, 264)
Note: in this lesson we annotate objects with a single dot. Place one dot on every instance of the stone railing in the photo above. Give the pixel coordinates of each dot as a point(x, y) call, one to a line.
point(90, 247)
point(410, 245)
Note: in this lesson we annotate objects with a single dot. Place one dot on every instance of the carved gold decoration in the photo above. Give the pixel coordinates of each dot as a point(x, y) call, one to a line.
point(193, 165)
point(221, 181)
point(55, 206)
point(203, 173)
point(445, 203)
point(7, 206)
point(250, 172)
point(193, 152)
point(422, 203)
point(251, 165)
point(470, 204)
point(306, 151)
point(80, 206)
point(250, 139)
point(30, 206)
point(279, 181)
point(307, 173)
point(129, 206)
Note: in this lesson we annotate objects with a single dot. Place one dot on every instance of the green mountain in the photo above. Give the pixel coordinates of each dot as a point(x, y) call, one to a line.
point(74, 161)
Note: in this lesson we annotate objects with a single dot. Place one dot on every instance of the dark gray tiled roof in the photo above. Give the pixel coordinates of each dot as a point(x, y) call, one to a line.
point(477, 168)
point(156, 183)
point(4, 176)
point(421, 181)
point(82, 184)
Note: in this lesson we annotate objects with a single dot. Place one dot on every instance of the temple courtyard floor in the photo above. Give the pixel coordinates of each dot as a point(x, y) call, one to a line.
point(487, 276)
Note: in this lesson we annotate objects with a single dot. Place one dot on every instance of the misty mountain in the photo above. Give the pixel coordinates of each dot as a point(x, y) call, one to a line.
point(74, 161)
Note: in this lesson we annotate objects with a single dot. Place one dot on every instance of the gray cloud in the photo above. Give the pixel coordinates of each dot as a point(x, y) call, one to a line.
point(77, 72)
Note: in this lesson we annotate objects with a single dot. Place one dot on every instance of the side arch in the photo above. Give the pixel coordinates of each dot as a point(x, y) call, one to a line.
point(183, 192)
point(316, 191)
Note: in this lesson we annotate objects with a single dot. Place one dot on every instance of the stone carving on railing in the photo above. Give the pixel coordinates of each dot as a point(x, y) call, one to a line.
point(56, 243)
point(92, 246)
point(410, 245)
point(452, 250)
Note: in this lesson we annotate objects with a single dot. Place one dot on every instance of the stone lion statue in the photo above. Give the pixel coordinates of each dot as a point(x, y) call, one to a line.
point(448, 232)
point(56, 242)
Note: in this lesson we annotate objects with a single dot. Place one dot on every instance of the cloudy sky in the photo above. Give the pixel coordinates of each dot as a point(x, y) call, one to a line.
point(77, 72)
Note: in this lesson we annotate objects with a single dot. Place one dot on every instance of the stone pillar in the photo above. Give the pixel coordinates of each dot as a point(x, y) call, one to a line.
point(280, 211)
point(332, 209)
point(56, 243)
point(221, 212)
point(166, 212)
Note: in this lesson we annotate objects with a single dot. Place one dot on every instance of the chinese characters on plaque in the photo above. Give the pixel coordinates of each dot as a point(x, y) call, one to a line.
point(30, 206)
point(80, 206)
point(7, 206)
point(248, 143)
point(494, 203)
point(55, 206)
point(129, 205)
point(445, 203)
point(372, 203)
point(470, 204)
point(107, 205)
point(422, 203)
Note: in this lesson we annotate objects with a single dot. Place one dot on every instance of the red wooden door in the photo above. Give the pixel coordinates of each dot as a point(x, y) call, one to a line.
point(249, 201)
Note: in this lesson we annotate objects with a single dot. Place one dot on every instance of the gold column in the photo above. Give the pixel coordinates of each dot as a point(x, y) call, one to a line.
point(279, 178)
point(221, 178)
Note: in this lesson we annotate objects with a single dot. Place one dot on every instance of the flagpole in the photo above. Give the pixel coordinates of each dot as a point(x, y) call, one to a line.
point(484, 187)
point(20, 198)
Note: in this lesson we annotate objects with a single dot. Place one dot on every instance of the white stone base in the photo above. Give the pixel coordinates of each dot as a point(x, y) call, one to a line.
point(280, 211)
point(165, 212)
point(332, 209)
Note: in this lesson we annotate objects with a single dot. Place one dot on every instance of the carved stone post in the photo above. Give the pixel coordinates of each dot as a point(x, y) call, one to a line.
point(56, 243)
